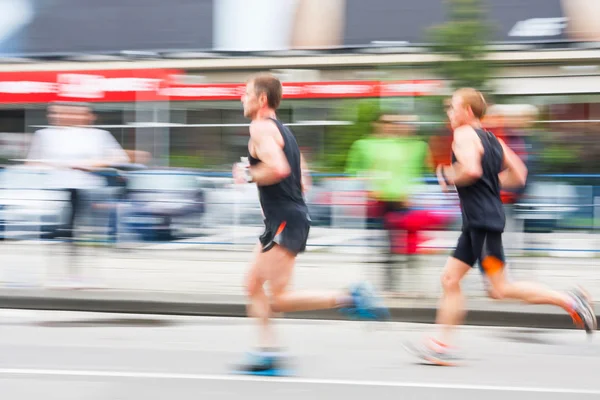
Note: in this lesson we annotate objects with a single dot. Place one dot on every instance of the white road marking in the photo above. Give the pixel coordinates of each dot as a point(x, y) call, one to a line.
point(309, 381)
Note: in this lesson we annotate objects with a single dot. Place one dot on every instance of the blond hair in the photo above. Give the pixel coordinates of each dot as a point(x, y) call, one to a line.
point(474, 99)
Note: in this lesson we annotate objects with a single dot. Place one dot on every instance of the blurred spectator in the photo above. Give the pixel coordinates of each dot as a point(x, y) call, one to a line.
point(75, 150)
point(392, 158)
point(73, 146)
point(406, 224)
point(395, 161)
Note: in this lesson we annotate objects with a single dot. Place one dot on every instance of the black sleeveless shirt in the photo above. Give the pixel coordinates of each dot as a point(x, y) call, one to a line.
point(280, 200)
point(480, 202)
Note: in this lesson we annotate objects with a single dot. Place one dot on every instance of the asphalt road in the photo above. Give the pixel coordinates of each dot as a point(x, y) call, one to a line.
point(65, 355)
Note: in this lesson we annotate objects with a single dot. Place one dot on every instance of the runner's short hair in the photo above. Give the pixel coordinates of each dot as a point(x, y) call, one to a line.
point(269, 85)
point(474, 99)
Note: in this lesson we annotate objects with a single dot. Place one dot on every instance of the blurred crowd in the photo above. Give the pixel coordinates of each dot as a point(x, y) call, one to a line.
point(77, 181)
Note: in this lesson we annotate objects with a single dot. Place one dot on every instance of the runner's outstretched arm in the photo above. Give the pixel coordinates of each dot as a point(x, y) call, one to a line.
point(514, 175)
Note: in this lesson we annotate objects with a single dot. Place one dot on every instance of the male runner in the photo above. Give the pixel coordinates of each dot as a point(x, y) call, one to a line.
point(482, 165)
point(275, 166)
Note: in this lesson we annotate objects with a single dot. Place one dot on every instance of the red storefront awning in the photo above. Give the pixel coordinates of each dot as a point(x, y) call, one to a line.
point(167, 85)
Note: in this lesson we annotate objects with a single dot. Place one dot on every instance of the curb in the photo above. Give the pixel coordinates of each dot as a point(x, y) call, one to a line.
point(482, 314)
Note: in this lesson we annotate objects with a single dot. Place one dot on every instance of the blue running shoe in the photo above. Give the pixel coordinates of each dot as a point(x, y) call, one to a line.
point(367, 305)
point(263, 364)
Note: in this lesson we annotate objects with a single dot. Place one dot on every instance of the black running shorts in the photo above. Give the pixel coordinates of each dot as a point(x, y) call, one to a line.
point(483, 246)
point(290, 233)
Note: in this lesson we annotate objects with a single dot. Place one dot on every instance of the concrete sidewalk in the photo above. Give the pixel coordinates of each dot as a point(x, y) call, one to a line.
point(203, 282)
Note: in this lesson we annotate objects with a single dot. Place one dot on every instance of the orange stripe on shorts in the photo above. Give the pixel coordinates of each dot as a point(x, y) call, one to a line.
point(492, 265)
point(281, 228)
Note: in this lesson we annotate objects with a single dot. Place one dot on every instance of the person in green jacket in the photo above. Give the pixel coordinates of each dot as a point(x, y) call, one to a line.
point(394, 160)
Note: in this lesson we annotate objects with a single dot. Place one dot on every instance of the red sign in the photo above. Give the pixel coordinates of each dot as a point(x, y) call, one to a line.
point(410, 88)
point(307, 90)
point(93, 86)
point(166, 85)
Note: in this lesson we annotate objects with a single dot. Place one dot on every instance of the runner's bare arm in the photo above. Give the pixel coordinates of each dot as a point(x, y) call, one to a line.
point(274, 166)
point(467, 149)
point(514, 175)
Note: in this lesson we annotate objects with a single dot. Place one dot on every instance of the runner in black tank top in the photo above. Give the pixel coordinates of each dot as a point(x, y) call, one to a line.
point(481, 164)
point(482, 210)
point(286, 215)
point(276, 168)
point(480, 202)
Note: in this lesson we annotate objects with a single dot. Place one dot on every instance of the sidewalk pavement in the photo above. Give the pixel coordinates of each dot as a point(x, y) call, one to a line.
point(177, 279)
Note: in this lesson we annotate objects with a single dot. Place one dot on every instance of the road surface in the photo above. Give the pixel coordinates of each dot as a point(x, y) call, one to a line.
point(78, 356)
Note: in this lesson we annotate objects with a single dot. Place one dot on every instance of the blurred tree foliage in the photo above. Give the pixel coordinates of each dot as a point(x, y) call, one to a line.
point(181, 160)
point(338, 139)
point(464, 37)
point(568, 152)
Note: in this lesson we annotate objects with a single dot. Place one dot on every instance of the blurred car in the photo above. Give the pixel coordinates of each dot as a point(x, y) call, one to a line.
point(340, 200)
point(163, 204)
point(229, 204)
point(30, 204)
point(337, 200)
point(545, 204)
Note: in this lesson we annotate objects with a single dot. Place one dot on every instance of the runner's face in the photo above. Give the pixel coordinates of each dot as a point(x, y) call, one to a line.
point(458, 114)
point(250, 101)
